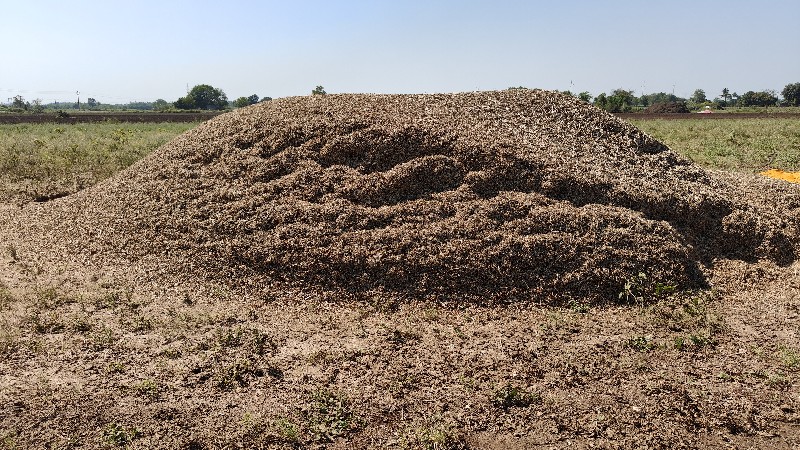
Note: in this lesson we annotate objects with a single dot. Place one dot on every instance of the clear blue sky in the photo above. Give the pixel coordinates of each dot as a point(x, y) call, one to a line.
point(141, 50)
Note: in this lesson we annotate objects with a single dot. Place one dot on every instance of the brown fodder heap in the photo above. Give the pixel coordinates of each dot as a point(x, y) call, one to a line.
point(514, 195)
point(667, 108)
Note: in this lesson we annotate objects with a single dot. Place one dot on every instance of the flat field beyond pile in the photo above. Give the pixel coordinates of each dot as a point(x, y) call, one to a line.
point(108, 346)
point(732, 143)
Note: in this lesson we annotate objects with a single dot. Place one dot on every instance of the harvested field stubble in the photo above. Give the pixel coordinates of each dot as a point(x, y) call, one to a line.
point(521, 195)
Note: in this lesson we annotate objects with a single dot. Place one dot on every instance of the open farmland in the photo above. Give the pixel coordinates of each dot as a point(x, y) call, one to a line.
point(731, 143)
point(479, 270)
point(46, 160)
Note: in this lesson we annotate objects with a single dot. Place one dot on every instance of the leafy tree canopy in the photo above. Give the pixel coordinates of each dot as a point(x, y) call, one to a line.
point(203, 96)
point(791, 94)
point(660, 97)
point(699, 96)
point(161, 105)
point(319, 90)
point(19, 102)
point(241, 102)
point(763, 98)
point(620, 100)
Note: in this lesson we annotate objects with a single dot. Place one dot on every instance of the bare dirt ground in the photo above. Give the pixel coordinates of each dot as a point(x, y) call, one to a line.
point(96, 364)
point(127, 340)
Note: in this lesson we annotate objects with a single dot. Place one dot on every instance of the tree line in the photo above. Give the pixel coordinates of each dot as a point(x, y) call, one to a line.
point(622, 100)
point(206, 97)
point(202, 97)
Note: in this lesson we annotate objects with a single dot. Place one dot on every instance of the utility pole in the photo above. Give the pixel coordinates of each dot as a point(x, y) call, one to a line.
point(79, 99)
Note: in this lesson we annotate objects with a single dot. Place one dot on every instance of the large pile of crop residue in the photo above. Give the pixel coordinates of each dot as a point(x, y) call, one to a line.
point(513, 195)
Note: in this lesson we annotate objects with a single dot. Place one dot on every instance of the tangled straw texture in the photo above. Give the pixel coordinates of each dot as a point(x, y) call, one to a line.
point(519, 195)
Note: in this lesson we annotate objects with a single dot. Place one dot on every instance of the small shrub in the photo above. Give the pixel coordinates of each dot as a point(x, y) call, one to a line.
point(640, 288)
point(640, 343)
point(138, 323)
point(633, 290)
point(690, 313)
point(578, 307)
point(102, 339)
point(5, 298)
point(238, 373)
point(8, 343)
point(693, 342)
point(400, 338)
point(115, 367)
point(287, 430)
point(8, 440)
point(259, 343)
point(254, 340)
point(170, 353)
point(790, 358)
point(438, 435)
point(46, 323)
point(81, 324)
point(149, 389)
point(120, 436)
point(510, 396)
point(330, 416)
point(48, 299)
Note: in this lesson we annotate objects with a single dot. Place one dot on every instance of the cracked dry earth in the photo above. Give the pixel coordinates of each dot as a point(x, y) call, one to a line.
point(486, 270)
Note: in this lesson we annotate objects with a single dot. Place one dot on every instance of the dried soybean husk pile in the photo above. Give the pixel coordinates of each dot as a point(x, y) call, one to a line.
point(515, 195)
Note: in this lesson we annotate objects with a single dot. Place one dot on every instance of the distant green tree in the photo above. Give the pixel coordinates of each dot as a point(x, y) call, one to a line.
point(241, 102)
point(585, 96)
point(203, 96)
point(36, 106)
point(660, 97)
point(600, 100)
point(319, 90)
point(19, 102)
point(161, 105)
point(91, 103)
point(791, 94)
point(184, 103)
point(139, 106)
point(699, 96)
point(625, 96)
point(265, 99)
point(763, 98)
point(622, 100)
point(726, 95)
point(619, 100)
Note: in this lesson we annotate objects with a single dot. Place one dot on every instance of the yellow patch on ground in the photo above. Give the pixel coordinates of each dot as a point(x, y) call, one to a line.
point(792, 177)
